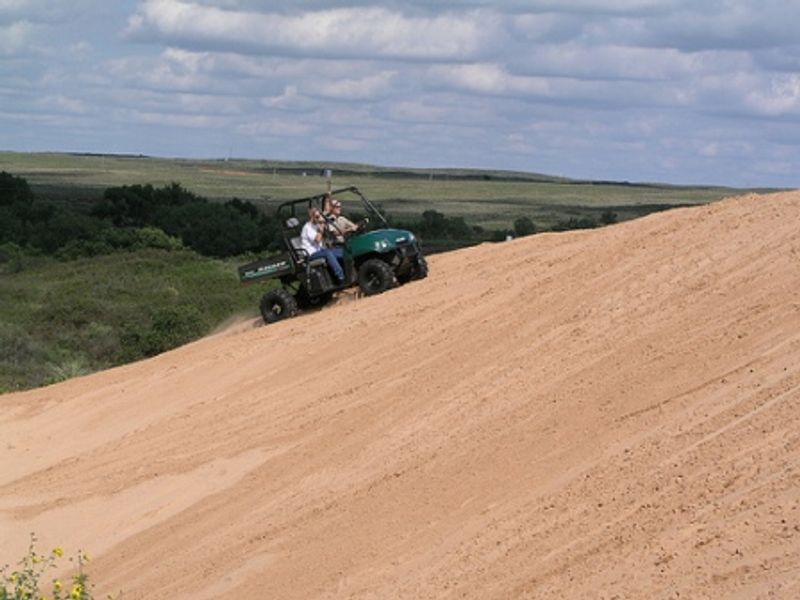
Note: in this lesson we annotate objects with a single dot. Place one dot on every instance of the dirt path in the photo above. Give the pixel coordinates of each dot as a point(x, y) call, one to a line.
point(598, 414)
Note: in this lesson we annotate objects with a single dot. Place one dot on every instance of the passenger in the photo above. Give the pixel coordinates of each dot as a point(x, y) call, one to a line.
point(312, 238)
point(339, 225)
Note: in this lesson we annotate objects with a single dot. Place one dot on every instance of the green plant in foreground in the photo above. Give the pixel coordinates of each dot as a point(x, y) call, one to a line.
point(27, 582)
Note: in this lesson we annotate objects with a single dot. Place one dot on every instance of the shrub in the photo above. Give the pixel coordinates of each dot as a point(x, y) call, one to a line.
point(27, 581)
point(14, 191)
point(210, 229)
point(575, 223)
point(60, 226)
point(524, 226)
point(11, 257)
point(67, 369)
point(169, 328)
point(609, 217)
point(153, 237)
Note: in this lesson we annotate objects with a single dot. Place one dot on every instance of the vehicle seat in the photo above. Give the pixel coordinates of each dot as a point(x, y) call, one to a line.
point(297, 245)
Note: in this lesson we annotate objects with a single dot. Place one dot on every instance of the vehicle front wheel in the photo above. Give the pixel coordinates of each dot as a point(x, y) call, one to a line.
point(421, 268)
point(374, 277)
point(278, 304)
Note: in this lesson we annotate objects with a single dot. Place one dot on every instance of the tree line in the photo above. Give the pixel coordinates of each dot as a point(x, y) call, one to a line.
point(130, 217)
point(171, 217)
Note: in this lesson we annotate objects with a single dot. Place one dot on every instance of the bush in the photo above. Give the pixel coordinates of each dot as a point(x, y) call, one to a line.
point(12, 227)
point(60, 226)
point(210, 229)
point(67, 369)
point(22, 358)
point(524, 226)
point(153, 237)
point(501, 235)
point(575, 223)
point(136, 205)
point(14, 191)
point(609, 217)
point(26, 582)
point(169, 328)
point(11, 258)
point(435, 225)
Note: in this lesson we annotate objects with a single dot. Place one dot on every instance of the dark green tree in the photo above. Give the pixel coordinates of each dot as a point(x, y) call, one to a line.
point(434, 223)
point(14, 191)
point(60, 227)
point(457, 228)
point(524, 226)
point(16, 199)
point(210, 229)
point(609, 217)
point(245, 207)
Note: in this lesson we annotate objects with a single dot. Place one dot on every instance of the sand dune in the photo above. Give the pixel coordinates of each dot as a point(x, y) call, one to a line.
point(598, 414)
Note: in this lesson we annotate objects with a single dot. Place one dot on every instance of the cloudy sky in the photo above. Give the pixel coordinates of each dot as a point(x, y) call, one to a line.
point(678, 91)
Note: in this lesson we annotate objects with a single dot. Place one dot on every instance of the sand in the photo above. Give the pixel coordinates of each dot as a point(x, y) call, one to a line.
point(597, 414)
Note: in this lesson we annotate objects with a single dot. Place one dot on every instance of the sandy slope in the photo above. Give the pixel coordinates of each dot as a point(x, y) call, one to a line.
point(600, 414)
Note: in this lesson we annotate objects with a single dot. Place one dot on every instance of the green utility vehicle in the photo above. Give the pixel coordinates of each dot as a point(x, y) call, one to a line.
point(376, 258)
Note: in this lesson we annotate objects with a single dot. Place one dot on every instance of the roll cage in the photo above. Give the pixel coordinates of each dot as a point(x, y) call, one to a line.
point(299, 208)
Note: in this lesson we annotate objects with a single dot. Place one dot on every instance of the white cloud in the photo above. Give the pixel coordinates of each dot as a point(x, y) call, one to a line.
point(45, 11)
point(340, 144)
point(780, 97)
point(635, 89)
point(418, 111)
point(16, 38)
point(288, 99)
point(62, 103)
point(710, 150)
point(374, 31)
point(172, 119)
point(357, 120)
point(275, 128)
point(364, 88)
point(575, 59)
point(479, 77)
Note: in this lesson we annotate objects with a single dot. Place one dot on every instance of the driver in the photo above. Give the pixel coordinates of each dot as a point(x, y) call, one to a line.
point(339, 225)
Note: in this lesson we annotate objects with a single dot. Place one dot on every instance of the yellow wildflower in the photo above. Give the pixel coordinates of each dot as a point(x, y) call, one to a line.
point(75, 594)
point(58, 551)
point(57, 585)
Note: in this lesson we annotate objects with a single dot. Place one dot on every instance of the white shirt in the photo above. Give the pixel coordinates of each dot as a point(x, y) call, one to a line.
point(308, 237)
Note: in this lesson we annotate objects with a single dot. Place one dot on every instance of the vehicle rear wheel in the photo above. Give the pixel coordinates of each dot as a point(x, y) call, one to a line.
point(306, 301)
point(374, 277)
point(278, 304)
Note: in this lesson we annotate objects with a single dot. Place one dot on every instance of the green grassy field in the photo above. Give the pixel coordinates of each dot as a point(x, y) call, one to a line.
point(491, 199)
point(59, 319)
